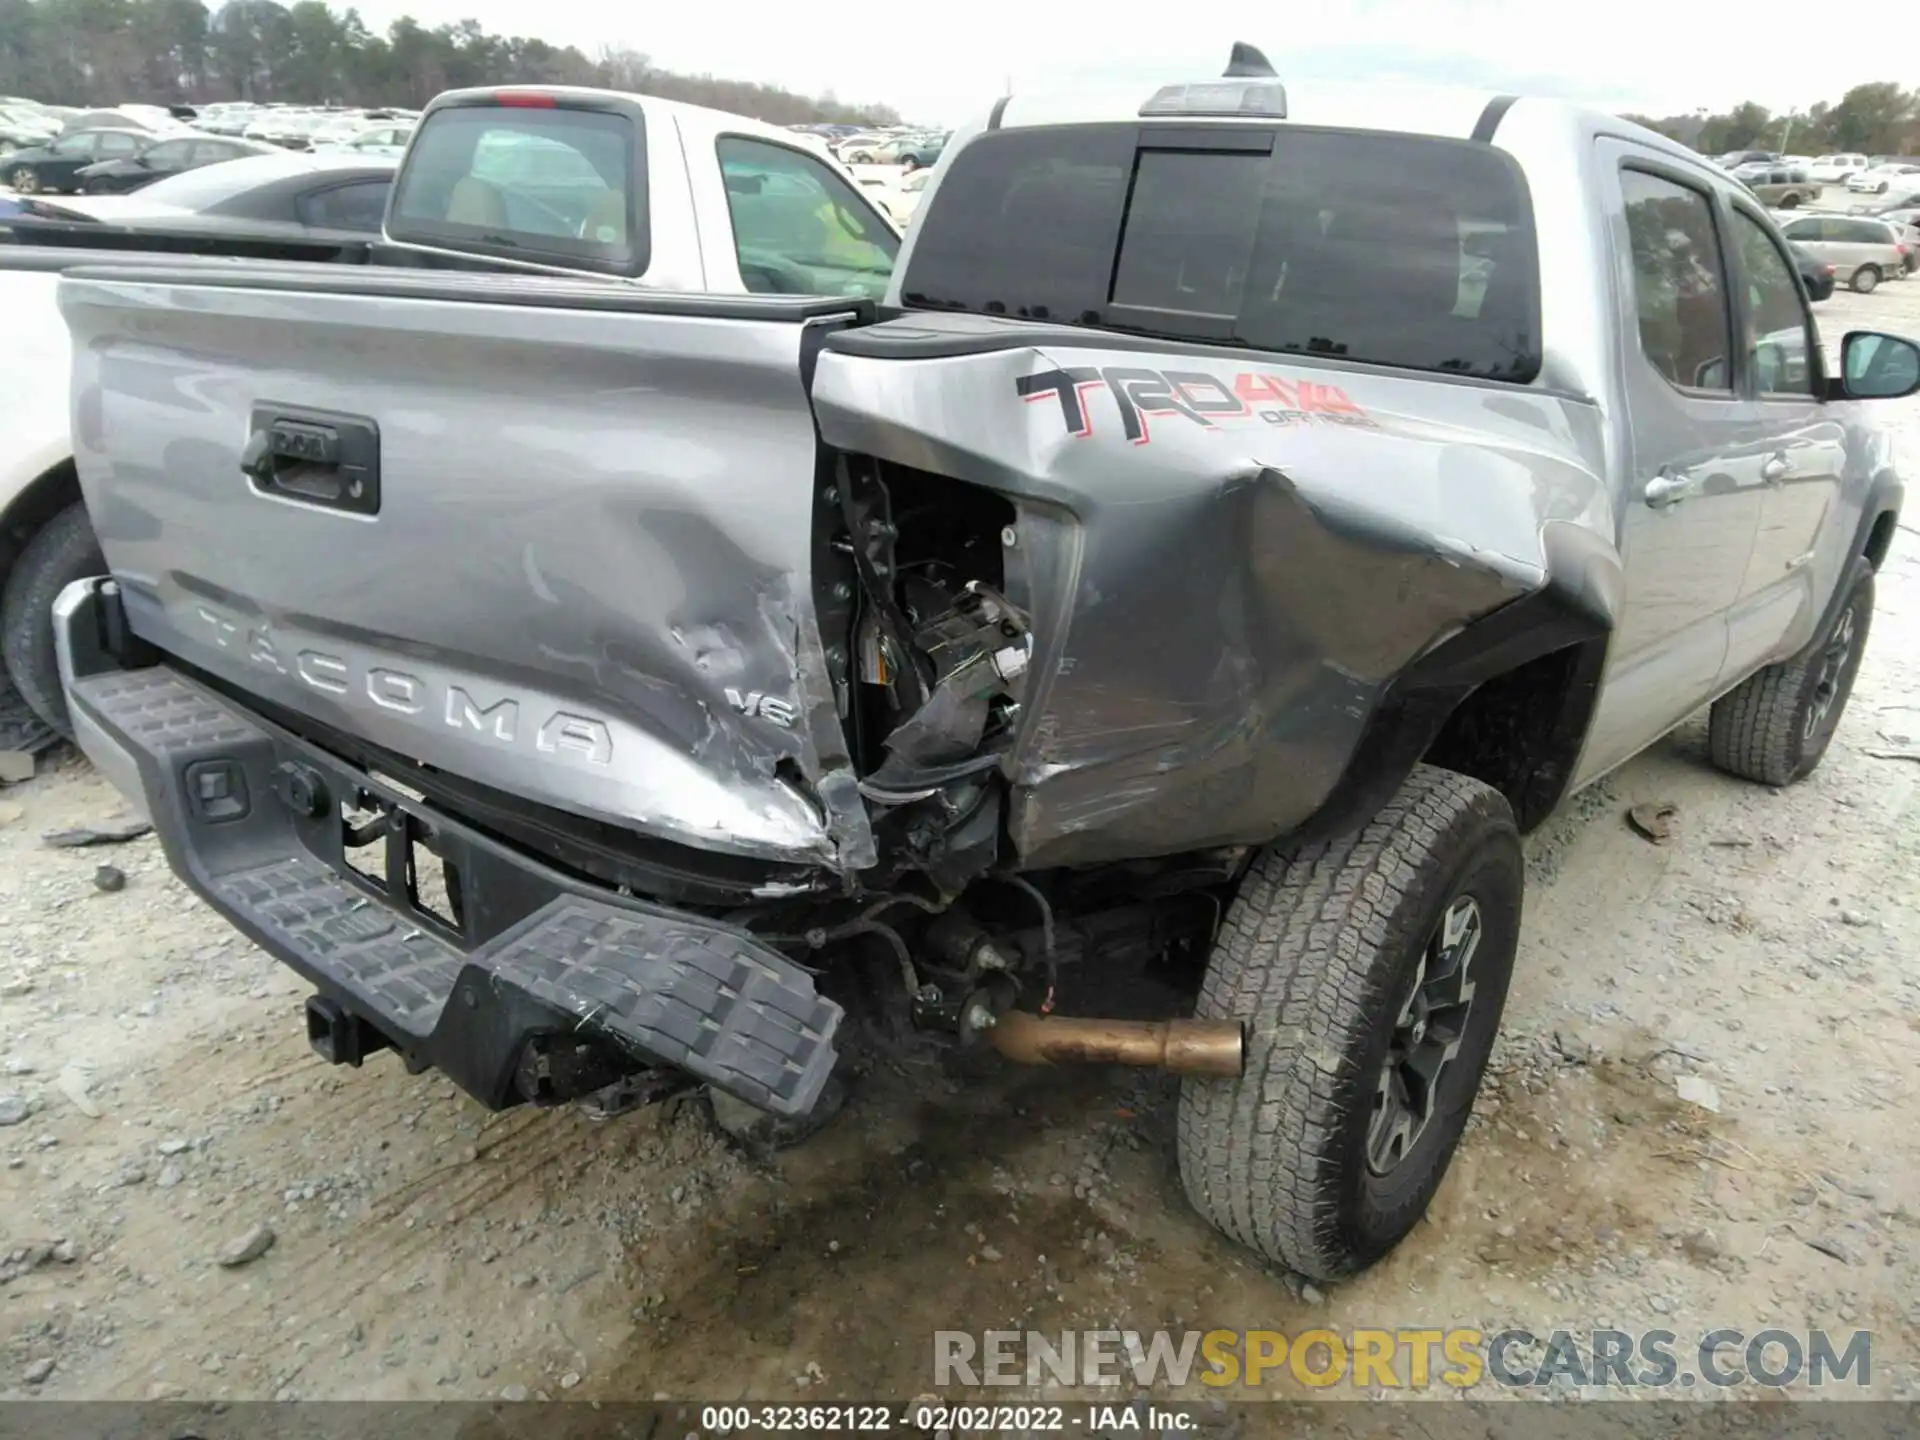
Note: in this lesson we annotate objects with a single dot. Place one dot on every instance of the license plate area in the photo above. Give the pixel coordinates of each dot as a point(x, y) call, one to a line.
point(401, 856)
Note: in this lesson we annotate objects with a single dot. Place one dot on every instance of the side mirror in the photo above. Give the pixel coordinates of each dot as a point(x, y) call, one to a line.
point(1874, 366)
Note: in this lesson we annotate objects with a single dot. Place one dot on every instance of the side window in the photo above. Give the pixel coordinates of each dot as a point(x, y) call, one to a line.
point(1679, 286)
point(74, 146)
point(113, 147)
point(170, 154)
point(798, 228)
point(1779, 339)
point(1803, 230)
point(360, 207)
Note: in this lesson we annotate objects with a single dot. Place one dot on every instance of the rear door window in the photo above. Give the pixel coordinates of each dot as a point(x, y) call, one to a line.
point(1369, 246)
point(170, 154)
point(1679, 282)
point(550, 184)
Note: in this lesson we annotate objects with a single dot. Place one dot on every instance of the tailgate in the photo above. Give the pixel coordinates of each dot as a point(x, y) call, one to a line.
point(552, 537)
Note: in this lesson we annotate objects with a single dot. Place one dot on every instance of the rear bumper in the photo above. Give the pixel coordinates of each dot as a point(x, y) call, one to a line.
point(532, 977)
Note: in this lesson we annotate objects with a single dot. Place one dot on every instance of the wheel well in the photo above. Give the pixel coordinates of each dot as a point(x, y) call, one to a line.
point(1880, 539)
point(44, 497)
point(1520, 731)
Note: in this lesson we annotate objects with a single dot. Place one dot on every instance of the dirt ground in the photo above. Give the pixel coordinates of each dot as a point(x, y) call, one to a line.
point(159, 1101)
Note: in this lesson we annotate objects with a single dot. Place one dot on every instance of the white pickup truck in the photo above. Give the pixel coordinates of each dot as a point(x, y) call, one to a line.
point(724, 204)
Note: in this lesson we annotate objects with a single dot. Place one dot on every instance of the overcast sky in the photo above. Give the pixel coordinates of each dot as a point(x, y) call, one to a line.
point(941, 62)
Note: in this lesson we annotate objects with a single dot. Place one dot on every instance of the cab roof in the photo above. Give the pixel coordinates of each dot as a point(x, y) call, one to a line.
point(1448, 112)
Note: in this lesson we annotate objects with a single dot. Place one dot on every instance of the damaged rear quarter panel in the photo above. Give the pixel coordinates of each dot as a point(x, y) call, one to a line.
point(1225, 568)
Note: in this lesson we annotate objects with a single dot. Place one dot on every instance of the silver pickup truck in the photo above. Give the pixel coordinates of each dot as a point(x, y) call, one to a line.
point(1245, 514)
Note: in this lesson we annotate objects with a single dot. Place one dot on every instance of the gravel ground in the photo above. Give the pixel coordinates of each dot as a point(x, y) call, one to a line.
point(160, 1111)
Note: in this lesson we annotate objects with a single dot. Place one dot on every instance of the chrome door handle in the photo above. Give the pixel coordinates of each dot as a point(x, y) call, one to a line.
point(1775, 468)
point(1668, 489)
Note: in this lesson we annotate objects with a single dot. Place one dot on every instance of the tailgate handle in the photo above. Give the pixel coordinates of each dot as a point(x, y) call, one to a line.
point(315, 457)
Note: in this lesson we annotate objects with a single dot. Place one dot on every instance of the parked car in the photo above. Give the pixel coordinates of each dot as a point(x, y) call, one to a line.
point(56, 165)
point(1906, 217)
point(230, 119)
point(1734, 158)
point(289, 129)
point(174, 156)
point(1004, 657)
point(861, 148)
point(388, 140)
point(1817, 275)
point(911, 152)
point(1862, 251)
point(1882, 178)
point(148, 120)
point(1836, 169)
point(263, 194)
point(22, 129)
point(1780, 186)
point(490, 171)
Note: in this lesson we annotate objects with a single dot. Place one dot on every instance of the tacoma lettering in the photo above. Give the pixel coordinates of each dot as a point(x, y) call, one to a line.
point(432, 701)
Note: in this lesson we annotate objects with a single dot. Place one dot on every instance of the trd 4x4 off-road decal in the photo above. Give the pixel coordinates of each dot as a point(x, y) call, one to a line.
point(1204, 399)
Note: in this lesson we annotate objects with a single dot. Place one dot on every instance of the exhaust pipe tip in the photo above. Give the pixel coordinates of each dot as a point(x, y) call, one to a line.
point(1179, 1047)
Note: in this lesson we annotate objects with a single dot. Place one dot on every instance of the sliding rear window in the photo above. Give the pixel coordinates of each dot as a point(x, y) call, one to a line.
point(1370, 246)
point(553, 185)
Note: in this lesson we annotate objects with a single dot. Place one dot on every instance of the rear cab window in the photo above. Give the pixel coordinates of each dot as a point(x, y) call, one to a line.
point(552, 181)
point(1368, 246)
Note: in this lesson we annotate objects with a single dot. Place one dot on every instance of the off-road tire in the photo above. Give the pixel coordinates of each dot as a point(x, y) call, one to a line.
point(1866, 279)
point(1316, 955)
point(63, 551)
point(1759, 730)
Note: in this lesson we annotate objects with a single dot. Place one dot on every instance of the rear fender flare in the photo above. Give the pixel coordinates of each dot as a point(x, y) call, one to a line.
point(1575, 610)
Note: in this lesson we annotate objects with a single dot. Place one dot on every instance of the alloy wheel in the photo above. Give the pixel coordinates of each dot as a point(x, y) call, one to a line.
point(1426, 1036)
point(1832, 674)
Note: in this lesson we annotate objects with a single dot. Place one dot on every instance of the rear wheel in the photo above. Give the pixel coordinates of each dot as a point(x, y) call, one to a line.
point(1775, 726)
point(1866, 279)
point(1370, 973)
point(23, 180)
point(1790, 202)
point(63, 551)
